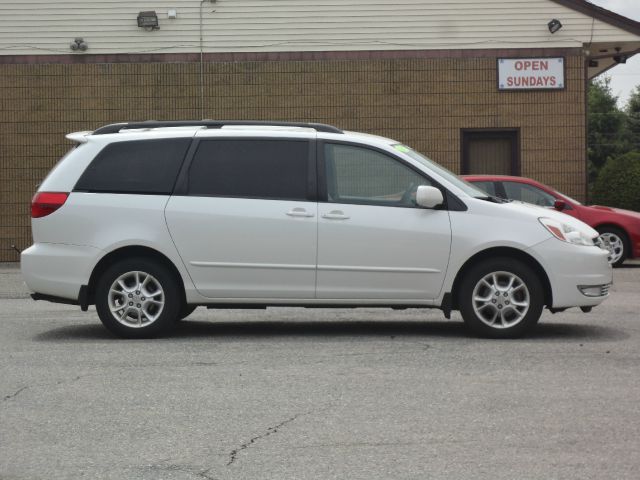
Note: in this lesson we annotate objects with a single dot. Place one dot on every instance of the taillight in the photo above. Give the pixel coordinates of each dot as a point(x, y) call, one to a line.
point(45, 203)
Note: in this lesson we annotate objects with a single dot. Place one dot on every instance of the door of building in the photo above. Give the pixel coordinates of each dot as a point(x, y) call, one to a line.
point(492, 152)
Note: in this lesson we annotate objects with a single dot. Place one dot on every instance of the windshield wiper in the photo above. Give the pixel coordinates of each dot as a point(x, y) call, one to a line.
point(491, 198)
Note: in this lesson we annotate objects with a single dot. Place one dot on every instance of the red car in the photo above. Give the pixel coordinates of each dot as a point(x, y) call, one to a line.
point(621, 228)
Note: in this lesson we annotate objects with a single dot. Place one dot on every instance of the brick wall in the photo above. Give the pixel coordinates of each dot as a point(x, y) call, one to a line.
point(424, 102)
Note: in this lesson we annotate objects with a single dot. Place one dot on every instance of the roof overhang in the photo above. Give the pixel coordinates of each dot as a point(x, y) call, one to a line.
point(604, 56)
point(602, 14)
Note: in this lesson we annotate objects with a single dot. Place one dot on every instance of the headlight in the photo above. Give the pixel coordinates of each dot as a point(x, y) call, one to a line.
point(567, 233)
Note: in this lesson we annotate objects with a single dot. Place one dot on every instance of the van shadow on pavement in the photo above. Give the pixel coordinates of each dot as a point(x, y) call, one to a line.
point(356, 329)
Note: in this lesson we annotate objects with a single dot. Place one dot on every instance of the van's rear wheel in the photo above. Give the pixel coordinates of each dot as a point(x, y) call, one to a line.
point(138, 298)
point(501, 298)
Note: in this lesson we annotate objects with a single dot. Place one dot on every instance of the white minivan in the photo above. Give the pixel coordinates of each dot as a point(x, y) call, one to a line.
point(150, 220)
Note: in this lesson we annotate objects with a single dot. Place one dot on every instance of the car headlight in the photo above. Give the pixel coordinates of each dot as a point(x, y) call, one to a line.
point(568, 233)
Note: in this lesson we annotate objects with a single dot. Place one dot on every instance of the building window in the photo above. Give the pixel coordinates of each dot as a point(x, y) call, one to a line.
point(493, 152)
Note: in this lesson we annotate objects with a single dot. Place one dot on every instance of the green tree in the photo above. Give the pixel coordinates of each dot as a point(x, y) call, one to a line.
point(633, 118)
point(617, 182)
point(607, 124)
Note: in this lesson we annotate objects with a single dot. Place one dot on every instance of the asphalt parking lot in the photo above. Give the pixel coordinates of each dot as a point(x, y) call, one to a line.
point(319, 394)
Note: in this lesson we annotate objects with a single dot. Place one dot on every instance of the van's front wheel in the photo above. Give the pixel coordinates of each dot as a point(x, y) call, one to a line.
point(501, 298)
point(137, 298)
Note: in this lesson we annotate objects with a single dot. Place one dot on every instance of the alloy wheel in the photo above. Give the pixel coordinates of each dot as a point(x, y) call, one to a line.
point(614, 244)
point(136, 299)
point(501, 299)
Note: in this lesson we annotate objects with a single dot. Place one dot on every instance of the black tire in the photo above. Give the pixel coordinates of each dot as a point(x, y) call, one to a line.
point(161, 285)
point(186, 311)
point(523, 319)
point(623, 243)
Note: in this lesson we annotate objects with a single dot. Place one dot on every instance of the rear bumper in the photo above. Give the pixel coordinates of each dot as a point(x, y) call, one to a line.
point(82, 300)
point(570, 269)
point(58, 271)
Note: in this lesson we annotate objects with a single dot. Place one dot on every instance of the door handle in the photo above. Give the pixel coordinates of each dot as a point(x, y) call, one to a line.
point(335, 215)
point(300, 212)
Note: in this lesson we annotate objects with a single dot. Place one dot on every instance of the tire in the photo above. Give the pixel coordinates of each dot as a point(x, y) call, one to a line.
point(186, 311)
point(509, 311)
point(135, 282)
point(619, 243)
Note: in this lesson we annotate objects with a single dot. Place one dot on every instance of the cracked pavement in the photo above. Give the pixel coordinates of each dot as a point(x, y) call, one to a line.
point(270, 431)
point(319, 394)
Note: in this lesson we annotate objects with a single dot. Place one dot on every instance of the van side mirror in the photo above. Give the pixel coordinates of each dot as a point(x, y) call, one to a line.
point(560, 205)
point(428, 197)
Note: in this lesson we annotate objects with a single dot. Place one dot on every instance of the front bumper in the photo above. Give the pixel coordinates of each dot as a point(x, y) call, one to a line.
point(635, 241)
point(570, 269)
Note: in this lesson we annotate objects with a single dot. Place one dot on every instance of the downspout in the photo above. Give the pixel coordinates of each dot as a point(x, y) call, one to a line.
point(202, 2)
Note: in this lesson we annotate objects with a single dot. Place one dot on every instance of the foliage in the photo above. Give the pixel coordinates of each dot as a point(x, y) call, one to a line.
point(633, 118)
point(607, 132)
point(618, 181)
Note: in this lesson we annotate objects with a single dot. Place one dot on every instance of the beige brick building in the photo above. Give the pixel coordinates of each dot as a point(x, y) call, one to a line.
point(424, 72)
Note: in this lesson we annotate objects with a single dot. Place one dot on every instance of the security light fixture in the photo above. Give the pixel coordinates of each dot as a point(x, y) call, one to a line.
point(554, 25)
point(172, 13)
point(619, 57)
point(148, 20)
point(593, 63)
point(78, 44)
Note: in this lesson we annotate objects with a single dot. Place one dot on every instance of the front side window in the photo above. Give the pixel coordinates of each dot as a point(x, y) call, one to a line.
point(364, 176)
point(250, 168)
point(528, 193)
point(141, 166)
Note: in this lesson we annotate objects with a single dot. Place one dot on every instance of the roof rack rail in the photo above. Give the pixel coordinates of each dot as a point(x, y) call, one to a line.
point(117, 127)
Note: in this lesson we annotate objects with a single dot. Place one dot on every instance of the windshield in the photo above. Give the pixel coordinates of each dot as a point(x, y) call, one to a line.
point(451, 177)
point(567, 197)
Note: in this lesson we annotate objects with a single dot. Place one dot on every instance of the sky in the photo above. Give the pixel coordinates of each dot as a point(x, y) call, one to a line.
point(624, 77)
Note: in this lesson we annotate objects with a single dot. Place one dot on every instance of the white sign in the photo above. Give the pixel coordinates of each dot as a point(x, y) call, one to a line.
point(531, 73)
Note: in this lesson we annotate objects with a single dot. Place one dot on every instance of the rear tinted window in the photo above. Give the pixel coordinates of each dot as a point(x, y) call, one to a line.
point(145, 166)
point(276, 169)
